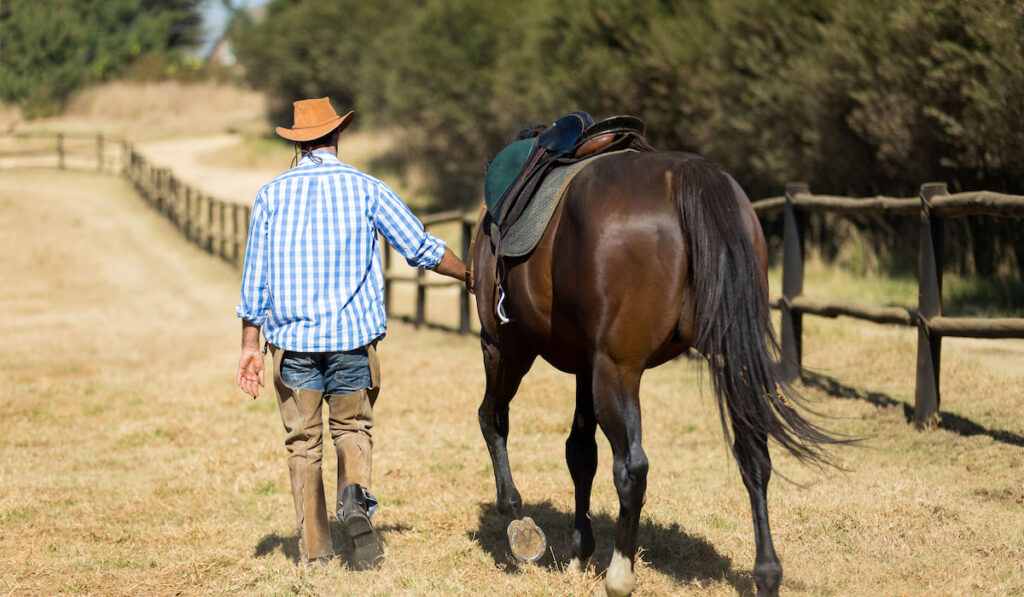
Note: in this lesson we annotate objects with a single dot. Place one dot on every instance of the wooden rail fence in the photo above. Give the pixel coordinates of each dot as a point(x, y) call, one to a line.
point(466, 222)
point(221, 228)
point(79, 151)
point(217, 226)
point(933, 205)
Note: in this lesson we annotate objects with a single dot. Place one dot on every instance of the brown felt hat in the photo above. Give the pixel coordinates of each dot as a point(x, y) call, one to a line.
point(314, 118)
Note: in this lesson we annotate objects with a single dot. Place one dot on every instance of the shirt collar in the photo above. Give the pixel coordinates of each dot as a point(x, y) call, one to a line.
point(326, 155)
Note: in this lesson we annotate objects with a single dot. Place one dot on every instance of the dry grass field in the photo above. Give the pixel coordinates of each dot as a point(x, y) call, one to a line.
point(144, 111)
point(131, 465)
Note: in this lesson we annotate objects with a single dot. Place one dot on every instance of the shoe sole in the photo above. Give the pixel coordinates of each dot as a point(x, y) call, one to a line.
point(367, 551)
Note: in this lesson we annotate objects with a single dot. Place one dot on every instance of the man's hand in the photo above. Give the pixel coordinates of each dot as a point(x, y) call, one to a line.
point(470, 285)
point(250, 371)
point(250, 364)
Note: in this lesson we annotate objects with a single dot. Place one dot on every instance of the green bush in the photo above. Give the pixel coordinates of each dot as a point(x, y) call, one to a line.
point(50, 48)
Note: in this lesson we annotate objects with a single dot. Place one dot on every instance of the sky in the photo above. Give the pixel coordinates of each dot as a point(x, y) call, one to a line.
point(215, 17)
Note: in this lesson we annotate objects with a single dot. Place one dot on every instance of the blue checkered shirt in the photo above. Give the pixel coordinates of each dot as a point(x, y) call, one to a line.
point(312, 274)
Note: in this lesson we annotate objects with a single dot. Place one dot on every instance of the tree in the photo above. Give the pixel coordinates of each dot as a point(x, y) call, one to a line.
point(50, 48)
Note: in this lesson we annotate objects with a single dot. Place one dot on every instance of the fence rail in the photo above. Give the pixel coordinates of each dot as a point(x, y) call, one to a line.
point(933, 205)
point(221, 227)
point(466, 222)
point(62, 150)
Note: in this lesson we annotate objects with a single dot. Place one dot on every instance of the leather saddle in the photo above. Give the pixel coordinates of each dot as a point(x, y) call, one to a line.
point(516, 172)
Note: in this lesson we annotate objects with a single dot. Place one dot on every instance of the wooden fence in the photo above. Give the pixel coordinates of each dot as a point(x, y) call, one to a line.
point(217, 226)
point(62, 150)
point(932, 206)
point(221, 227)
point(466, 222)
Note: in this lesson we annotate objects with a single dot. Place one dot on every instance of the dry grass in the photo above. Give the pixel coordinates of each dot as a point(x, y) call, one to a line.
point(214, 136)
point(142, 111)
point(130, 465)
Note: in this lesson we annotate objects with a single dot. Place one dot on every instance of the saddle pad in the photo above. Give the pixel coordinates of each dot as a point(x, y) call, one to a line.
point(525, 233)
point(503, 170)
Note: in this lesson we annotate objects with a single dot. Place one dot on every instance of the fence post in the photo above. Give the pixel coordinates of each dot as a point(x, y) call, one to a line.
point(60, 150)
point(172, 194)
point(246, 217)
point(208, 217)
point(158, 189)
point(421, 298)
point(467, 237)
point(792, 284)
point(236, 241)
point(225, 241)
point(929, 305)
point(186, 220)
point(99, 152)
point(199, 223)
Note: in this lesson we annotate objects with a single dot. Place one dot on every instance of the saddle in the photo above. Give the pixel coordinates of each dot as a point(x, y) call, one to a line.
point(518, 170)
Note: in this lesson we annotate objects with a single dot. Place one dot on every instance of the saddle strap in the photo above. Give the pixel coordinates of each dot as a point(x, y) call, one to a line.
point(472, 239)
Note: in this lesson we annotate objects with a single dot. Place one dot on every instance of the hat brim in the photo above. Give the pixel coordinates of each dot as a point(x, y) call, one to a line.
point(315, 132)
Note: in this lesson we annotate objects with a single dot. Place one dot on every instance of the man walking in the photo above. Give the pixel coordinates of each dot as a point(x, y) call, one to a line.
point(313, 281)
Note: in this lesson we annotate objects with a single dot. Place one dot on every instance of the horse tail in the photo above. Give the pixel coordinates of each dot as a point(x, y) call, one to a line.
point(732, 324)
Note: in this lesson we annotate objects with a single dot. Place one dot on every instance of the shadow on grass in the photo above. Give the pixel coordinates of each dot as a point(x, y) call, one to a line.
point(667, 549)
point(949, 421)
point(289, 545)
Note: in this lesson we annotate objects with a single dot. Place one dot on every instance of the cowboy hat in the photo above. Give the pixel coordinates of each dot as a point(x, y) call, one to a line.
point(314, 118)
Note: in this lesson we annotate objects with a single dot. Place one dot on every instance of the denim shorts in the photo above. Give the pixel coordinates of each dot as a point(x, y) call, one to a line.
point(332, 373)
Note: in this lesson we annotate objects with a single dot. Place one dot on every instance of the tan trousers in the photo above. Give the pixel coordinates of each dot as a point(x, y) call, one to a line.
point(350, 420)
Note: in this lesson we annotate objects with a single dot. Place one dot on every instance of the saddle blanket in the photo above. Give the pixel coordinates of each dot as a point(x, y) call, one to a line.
point(526, 232)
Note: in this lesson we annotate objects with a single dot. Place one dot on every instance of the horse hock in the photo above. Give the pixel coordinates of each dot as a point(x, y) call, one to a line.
point(526, 540)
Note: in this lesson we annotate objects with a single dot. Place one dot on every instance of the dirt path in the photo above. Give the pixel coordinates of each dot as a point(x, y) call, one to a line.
point(184, 158)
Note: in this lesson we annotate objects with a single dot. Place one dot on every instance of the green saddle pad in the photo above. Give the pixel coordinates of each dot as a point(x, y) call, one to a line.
point(503, 171)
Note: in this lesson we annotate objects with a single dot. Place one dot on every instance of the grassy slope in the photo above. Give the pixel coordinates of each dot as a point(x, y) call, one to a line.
point(129, 464)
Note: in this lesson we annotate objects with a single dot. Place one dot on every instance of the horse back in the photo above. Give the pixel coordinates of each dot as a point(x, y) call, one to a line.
point(612, 261)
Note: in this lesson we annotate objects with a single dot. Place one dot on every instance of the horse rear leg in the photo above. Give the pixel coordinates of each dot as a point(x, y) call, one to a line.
point(617, 406)
point(581, 456)
point(751, 449)
point(505, 370)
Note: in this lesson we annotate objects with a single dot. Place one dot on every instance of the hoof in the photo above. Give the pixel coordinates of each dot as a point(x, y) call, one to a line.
point(526, 540)
point(619, 580)
point(577, 565)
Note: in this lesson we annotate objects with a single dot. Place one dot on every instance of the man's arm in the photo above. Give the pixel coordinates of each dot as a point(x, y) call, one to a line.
point(453, 267)
point(250, 364)
point(255, 300)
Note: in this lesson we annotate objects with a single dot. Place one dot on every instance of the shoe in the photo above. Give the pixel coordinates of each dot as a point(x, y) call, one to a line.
point(367, 550)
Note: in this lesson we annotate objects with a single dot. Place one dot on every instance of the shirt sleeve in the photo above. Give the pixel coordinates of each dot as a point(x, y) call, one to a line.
point(392, 218)
point(255, 300)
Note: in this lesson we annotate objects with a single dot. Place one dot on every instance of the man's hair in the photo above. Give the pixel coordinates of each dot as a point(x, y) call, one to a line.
point(306, 147)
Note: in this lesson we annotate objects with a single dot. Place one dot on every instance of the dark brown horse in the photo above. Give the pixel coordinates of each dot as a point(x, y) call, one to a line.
point(647, 255)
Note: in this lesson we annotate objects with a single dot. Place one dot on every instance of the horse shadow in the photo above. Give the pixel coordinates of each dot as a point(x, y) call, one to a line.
point(288, 545)
point(667, 549)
